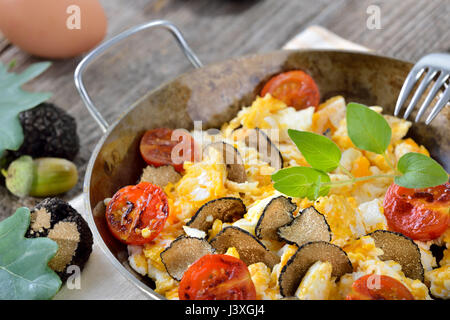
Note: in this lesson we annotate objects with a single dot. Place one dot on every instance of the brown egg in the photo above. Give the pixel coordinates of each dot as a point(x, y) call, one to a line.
point(53, 28)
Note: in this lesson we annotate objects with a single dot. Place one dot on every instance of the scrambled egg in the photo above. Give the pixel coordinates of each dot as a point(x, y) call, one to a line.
point(343, 217)
point(250, 219)
point(261, 278)
point(203, 181)
point(364, 256)
point(271, 113)
point(350, 210)
point(440, 277)
point(440, 281)
point(317, 282)
point(372, 215)
point(329, 115)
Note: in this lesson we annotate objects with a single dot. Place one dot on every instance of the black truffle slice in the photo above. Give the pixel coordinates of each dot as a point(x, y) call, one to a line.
point(49, 131)
point(269, 153)
point(309, 225)
point(277, 213)
point(227, 209)
point(250, 249)
point(295, 269)
point(160, 176)
point(183, 252)
point(232, 159)
point(57, 220)
point(400, 248)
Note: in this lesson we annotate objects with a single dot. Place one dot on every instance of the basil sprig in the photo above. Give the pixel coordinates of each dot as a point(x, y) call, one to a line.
point(302, 182)
point(319, 151)
point(368, 131)
point(419, 171)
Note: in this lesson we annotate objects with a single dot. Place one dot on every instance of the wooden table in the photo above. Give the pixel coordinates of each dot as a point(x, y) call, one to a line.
point(217, 30)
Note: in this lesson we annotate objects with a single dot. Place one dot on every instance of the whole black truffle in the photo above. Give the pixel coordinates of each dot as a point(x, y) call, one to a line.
point(48, 131)
point(56, 219)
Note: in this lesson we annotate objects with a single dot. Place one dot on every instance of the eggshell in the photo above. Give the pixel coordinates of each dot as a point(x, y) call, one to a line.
point(53, 28)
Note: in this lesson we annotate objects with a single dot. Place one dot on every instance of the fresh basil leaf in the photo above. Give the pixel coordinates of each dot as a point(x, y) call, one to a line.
point(24, 270)
point(319, 151)
point(301, 182)
point(14, 100)
point(419, 171)
point(367, 129)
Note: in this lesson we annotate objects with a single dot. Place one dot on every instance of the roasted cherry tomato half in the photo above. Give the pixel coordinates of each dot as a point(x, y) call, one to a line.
point(163, 146)
point(137, 214)
point(421, 214)
point(217, 277)
point(376, 287)
point(295, 88)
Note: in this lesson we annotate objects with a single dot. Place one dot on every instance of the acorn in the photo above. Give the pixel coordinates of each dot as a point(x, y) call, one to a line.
point(40, 177)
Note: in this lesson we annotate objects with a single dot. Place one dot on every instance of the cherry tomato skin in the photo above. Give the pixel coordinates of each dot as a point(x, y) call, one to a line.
point(295, 88)
point(421, 214)
point(137, 214)
point(156, 148)
point(217, 277)
point(379, 287)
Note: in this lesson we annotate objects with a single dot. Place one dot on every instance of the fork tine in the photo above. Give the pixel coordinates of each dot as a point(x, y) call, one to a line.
point(409, 83)
point(434, 89)
point(439, 105)
point(422, 86)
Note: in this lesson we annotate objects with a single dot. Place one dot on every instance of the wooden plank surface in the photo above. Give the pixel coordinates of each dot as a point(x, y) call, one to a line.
point(217, 30)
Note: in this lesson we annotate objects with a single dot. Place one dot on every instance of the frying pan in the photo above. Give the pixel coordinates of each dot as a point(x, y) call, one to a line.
point(213, 94)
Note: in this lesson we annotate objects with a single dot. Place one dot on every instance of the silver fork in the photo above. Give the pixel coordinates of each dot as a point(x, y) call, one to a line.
point(432, 65)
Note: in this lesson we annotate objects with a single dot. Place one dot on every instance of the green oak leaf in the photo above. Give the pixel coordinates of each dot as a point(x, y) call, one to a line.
point(301, 182)
point(14, 100)
point(319, 151)
point(419, 171)
point(24, 270)
point(367, 129)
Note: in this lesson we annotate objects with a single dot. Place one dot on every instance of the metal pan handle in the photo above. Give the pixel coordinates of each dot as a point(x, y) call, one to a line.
point(78, 75)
